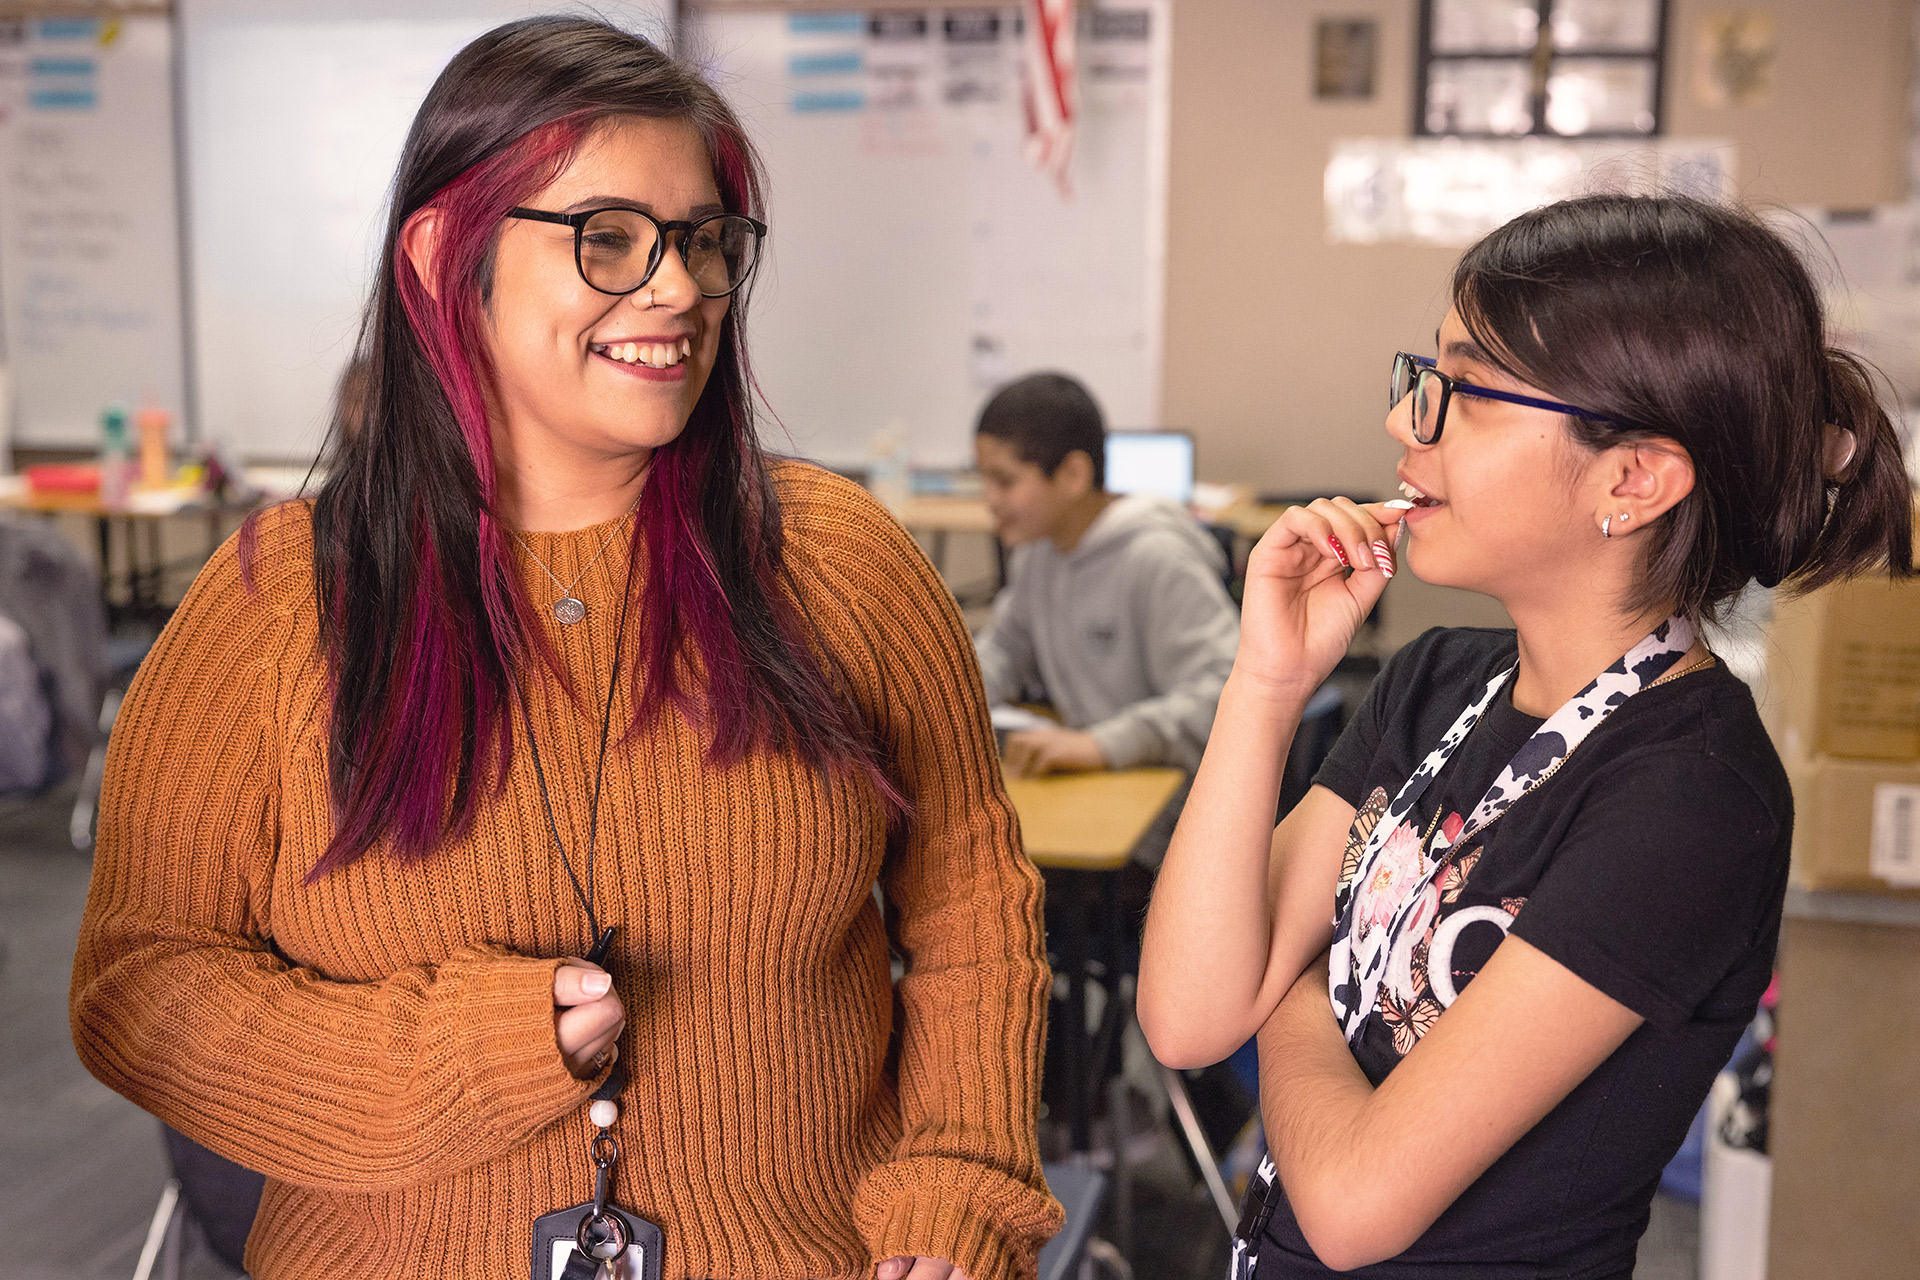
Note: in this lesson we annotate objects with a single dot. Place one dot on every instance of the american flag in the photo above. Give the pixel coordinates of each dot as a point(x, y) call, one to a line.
point(1048, 87)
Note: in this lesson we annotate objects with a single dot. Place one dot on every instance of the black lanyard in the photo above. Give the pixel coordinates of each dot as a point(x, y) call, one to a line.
point(602, 939)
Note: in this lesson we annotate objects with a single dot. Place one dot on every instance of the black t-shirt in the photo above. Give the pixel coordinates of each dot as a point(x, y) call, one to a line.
point(1652, 864)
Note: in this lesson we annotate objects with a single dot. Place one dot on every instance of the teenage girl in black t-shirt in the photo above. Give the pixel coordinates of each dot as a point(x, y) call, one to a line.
point(1496, 955)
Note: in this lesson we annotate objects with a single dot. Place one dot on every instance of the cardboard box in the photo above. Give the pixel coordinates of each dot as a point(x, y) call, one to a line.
point(1856, 824)
point(1843, 672)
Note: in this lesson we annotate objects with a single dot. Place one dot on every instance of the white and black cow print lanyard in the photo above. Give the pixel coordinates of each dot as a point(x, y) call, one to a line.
point(1356, 971)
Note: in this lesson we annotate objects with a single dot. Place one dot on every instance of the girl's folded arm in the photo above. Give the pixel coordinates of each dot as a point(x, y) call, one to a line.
point(1368, 1170)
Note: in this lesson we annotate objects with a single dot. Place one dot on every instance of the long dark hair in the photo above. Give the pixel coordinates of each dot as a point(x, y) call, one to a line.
point(1694, 322)
point(422, 618)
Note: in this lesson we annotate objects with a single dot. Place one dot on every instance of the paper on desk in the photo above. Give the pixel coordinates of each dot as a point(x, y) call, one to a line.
point(1211, 499)
point(163, 502)
point(1010, 719)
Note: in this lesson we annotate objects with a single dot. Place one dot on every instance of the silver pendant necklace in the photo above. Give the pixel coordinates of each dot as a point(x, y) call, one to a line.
point(569, 608)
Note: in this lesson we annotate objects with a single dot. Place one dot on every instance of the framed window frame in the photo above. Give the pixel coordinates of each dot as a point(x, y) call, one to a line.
point(1539, 61)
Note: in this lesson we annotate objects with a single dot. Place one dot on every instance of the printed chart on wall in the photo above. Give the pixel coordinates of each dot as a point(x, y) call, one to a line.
point(917, 257)
point(89, 241)
point(295, 111)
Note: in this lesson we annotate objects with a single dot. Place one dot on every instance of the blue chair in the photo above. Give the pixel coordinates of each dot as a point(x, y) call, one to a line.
point(1073, 1253)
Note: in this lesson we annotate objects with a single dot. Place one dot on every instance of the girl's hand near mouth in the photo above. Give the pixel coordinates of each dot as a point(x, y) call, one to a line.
point(1311, 581)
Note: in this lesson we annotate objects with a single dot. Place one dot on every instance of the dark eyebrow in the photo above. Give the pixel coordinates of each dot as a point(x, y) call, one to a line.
point(1468, 349)
point(694, 214)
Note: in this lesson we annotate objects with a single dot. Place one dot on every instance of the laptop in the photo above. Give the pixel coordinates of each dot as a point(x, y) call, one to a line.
point(1153, 462)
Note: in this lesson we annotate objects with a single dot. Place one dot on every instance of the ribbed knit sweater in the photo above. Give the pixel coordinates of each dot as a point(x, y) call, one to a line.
point(381, 1043)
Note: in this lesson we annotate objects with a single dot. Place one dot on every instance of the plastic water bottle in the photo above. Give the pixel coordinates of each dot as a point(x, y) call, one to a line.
point(116, 464)
point(890, 472)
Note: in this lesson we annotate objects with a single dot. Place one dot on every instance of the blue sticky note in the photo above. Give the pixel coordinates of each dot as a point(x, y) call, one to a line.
point(824, 24)
point(840, 62)
point(811, 103)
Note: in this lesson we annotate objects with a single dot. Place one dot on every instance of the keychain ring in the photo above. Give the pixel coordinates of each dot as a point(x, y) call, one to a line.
point(616, 1231)
point(603, 1156)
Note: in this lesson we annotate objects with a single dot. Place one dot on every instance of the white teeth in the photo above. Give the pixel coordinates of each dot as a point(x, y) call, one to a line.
point(1410, 491)
point(653, 355)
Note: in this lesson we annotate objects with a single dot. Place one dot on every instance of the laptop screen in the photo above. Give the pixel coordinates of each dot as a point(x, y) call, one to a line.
point(1155, 462)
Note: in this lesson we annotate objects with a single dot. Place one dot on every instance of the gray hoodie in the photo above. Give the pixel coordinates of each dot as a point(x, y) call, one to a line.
point(1130, 635)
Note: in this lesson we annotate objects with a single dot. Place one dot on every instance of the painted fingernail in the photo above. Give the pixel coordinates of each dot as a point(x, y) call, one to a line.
point(1339, 553)
point(1383, 558)
point(1398, 504)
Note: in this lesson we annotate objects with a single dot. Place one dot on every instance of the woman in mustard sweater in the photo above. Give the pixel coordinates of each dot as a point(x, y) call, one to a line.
point(488, 846)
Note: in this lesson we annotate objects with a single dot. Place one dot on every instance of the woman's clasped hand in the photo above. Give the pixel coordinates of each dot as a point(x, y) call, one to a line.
point(587, 1016)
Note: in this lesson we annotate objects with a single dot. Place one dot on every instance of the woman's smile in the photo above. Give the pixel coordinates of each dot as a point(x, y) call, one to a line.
point(658, 359)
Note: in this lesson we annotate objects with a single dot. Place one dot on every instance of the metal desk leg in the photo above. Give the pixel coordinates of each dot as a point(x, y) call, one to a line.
point(154, 576)
point(103, 527)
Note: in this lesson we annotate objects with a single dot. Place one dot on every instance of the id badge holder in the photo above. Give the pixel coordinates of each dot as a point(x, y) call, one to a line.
point(621, 1245)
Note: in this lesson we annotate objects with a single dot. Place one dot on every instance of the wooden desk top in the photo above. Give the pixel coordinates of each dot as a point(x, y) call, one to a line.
point(1090, 821)
point(1249, 519)
point(142, 502)
point(942, 514)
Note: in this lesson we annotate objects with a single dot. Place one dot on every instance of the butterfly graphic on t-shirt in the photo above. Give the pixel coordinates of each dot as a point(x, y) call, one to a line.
point(1408, 1020)
point(1408, 1003)
point(1363, 824)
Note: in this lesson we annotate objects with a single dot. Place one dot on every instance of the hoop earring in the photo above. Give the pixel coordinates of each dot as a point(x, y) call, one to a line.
point(650, 293)
point(1606, 527)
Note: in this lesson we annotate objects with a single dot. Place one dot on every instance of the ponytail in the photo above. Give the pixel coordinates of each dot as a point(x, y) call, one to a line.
point(1866, 516)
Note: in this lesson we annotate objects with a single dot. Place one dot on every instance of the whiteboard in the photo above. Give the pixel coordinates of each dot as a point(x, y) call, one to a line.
point(295, 113)
point(916, 259)
point(89, 225)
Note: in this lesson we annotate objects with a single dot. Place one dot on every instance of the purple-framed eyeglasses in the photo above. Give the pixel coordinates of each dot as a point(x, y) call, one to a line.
point(1433, 391)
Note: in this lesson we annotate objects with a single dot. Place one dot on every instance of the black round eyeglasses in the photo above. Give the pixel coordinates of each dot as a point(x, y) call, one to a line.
point(618, 248)
point(1433, 391)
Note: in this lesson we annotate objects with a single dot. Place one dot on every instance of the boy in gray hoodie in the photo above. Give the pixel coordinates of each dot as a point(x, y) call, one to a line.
point(1114, 609)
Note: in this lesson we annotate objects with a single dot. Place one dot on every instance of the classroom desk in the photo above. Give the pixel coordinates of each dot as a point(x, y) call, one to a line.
point(139, 522)
point(938, 515)
point(1080, 828)
point(1089, 821)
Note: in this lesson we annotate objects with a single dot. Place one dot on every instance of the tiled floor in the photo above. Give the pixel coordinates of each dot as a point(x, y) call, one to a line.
point(81, 1169)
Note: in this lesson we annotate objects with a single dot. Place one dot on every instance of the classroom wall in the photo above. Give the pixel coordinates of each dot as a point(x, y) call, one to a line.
point(1277, 343)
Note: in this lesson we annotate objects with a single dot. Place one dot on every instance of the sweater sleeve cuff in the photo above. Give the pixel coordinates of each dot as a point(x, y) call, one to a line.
point(513, 1064)
point(989, 1232)
point(1126, 741)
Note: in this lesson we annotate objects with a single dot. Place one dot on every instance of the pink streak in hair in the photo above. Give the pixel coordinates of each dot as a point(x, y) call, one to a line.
point(402, 782)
